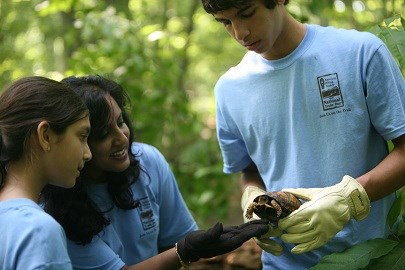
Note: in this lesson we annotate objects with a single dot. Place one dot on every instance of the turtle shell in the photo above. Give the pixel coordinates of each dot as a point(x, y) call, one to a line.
point(273, 205)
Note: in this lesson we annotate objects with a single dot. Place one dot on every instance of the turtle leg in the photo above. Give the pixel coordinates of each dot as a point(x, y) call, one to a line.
point(276, 206)
point(250, 210)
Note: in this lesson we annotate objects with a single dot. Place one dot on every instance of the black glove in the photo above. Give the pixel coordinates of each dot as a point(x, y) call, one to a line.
point(218, 240)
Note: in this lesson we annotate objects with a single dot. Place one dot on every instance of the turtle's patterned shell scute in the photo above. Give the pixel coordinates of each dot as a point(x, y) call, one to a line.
point(273, 205)
point(287, 201)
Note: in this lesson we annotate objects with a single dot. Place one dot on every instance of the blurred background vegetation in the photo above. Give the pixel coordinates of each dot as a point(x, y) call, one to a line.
point(168, 55)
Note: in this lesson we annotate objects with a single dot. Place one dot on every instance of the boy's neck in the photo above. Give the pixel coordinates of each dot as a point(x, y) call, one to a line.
point(291, 36)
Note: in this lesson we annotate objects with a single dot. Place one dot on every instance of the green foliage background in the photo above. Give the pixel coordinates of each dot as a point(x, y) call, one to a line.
point(168, 55)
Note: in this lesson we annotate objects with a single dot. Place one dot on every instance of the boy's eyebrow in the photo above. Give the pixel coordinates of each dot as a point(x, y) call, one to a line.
point(219, 19)
point(241, 10)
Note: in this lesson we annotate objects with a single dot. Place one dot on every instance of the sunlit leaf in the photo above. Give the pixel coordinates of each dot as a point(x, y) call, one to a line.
point(393, 34)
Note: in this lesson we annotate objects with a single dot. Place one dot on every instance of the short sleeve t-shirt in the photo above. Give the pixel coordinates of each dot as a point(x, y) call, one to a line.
point(30, 238)
point(160, 220)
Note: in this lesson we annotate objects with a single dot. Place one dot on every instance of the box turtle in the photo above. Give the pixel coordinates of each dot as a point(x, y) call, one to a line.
point(273, 205)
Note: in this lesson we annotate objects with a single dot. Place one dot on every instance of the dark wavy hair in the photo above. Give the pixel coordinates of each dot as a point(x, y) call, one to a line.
point(214, 6)
point(24, 104)
point(73, 208)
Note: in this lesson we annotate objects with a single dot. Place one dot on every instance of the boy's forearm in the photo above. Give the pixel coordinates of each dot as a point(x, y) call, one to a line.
point(250, 176)
point(388, 175)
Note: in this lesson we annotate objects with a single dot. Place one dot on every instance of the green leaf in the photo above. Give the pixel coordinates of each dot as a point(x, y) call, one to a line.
point(394, 260)
point(358, 256)
point(388, 21)
point(395, 40)
point(392, 33)
point(394, 212)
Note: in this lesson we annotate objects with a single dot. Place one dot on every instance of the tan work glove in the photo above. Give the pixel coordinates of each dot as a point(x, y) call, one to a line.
point(324, 215)
point(267, 244)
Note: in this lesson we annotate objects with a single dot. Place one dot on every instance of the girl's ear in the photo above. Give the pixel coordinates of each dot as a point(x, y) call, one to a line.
point(44, 134)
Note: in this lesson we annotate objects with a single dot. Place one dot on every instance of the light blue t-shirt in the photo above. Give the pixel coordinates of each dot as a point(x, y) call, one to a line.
point(306, 120)
point(30, 238)
point(160, 220)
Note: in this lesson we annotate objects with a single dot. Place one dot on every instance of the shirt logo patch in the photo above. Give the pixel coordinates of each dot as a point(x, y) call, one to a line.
point(146, 214)
point(329, 89)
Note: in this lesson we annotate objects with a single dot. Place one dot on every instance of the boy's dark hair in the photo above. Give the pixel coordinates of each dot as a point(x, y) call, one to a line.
point(73, 208)
point(214, 6)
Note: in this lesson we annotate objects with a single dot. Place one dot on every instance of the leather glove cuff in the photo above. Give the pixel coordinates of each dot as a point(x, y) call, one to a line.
point(250, 193)
point(357, 197)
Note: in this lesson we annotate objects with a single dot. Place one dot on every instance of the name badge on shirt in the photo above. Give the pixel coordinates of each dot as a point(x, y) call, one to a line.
point(146, 214)
point(330, 91)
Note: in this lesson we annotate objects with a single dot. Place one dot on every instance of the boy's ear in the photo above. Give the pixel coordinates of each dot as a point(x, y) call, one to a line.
point(44, 134)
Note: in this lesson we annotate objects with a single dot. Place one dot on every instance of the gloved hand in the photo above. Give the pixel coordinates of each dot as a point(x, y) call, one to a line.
point(218, 240)
point(264, 241)
point(325, 214)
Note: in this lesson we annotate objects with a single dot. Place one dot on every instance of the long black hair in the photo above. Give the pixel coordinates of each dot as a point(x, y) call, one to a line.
point(73, 208)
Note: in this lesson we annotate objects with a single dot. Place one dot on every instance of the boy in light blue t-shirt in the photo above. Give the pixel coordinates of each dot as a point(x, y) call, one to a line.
point(310, 109)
